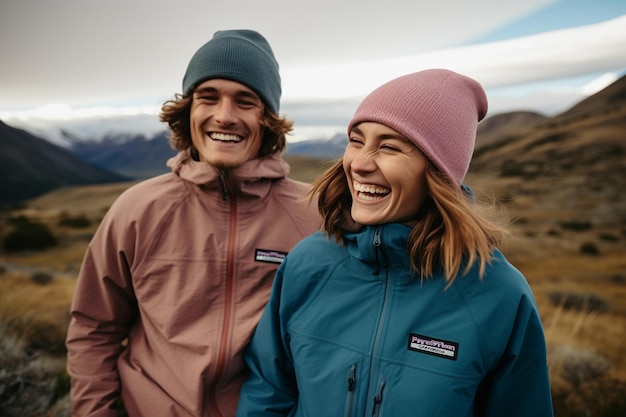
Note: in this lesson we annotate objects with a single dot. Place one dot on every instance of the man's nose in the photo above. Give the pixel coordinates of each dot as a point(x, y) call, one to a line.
point(225, 112)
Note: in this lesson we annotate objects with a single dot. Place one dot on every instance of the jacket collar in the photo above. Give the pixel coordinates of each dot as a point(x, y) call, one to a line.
point(377, 244)
point(252, 178)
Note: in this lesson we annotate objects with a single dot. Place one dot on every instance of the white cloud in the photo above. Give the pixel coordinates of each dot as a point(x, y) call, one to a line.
point(559, 54)
point(102, 70)
point(86, 53)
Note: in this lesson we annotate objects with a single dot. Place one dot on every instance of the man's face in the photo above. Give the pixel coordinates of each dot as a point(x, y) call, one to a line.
point(226, 123)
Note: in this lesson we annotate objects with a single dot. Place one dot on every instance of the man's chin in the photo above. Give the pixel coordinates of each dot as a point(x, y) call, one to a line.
point(225, 165)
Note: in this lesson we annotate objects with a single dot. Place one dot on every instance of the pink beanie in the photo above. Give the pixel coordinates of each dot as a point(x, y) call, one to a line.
point(438, 110)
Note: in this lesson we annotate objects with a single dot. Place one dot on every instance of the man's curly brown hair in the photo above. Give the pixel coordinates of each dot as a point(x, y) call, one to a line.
point(177, 111)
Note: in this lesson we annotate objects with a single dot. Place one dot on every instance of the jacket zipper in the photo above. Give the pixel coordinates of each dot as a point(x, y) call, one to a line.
point(228, 302)
point(224, 185)
point(351, 386)
point(378, 398)
point(379, 250)
point(374, 368)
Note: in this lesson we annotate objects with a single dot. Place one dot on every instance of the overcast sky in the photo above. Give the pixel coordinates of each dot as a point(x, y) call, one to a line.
point(61, 59)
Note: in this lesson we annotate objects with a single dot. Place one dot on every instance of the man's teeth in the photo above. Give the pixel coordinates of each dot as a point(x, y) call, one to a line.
point(225, 137)
point(370, 191)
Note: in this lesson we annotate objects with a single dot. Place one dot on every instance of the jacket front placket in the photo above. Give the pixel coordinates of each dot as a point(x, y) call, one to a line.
point(376, 379)
point(224, 341)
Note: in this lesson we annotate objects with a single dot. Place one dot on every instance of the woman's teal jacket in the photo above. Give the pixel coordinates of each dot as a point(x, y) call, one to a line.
point(351, 331)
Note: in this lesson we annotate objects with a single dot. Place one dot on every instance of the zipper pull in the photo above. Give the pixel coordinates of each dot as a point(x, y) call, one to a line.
point(377, 239)
point(352, 377)
point(378, 398)
point(224, 186)
point(377, 243)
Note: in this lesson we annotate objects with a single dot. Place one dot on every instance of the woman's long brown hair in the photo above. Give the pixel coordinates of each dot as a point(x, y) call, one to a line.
point(453, 231)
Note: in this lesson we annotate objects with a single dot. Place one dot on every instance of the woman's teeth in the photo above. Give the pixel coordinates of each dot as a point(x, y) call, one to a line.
point(369, 191)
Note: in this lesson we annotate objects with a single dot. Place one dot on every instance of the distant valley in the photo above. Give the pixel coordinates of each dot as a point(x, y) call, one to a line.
point(32, 166)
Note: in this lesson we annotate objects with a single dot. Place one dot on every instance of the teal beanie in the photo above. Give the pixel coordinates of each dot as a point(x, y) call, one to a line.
point(243, 56)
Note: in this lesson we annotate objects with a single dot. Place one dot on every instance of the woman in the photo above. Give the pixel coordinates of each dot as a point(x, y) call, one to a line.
point(403, 305)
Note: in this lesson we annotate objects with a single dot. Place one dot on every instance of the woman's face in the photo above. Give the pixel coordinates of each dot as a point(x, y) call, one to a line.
point(386, 174)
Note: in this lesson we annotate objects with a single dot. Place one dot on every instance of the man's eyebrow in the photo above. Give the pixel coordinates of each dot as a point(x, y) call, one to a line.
point(205, 90)
point(239, 93)
point(250, 94)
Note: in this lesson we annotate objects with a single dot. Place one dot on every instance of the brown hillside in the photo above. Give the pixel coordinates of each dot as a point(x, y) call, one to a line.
point(613, 96)
point(563, 182)
point(508, 125)
point(574, 166)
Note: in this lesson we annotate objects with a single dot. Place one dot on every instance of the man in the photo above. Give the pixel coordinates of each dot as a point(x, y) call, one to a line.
point(178, 273)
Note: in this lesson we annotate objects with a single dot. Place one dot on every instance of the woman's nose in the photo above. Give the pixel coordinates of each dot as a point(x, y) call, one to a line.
point(363, 161)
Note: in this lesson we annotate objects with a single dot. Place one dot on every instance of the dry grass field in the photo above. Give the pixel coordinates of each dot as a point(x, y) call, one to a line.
point(581, 292)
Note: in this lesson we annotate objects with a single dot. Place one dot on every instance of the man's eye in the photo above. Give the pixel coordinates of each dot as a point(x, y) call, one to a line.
point(248, 102)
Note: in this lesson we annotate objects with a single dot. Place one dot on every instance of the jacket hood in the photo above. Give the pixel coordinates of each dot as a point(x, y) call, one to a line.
point(246, 178)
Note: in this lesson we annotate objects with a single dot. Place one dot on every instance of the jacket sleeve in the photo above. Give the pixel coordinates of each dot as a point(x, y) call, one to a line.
point(103, 309)
point(271, 388)
point(520, 384)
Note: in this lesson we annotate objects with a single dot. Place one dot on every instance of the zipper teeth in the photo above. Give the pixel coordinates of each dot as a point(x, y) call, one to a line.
point(380, 325)
point(223, 347)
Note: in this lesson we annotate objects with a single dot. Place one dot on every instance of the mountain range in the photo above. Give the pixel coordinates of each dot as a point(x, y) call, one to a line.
point(524, 143)
point(30, 166)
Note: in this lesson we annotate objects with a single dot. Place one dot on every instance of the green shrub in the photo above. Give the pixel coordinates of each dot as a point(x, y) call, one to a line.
point(579, 301)
point(589, 248)
point(578, 366)
point(77, 222)
point(608, 237)
point(28, 235)
point(41, 278)
point(604, 397)
point(577, 226)
point(30, 384)
point(618, 279)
